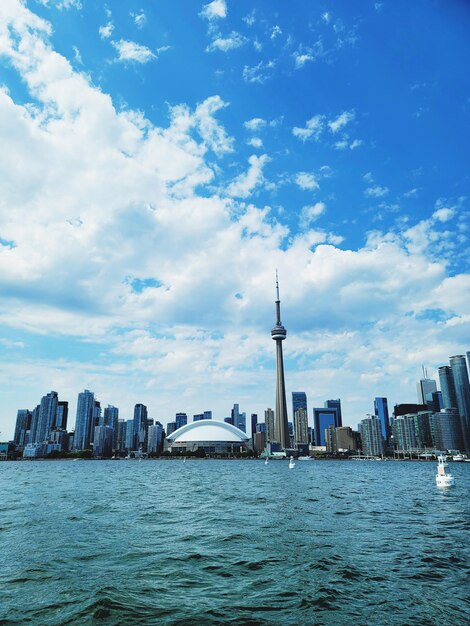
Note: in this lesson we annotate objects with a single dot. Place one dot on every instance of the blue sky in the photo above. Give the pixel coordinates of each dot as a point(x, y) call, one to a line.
point(161, 159)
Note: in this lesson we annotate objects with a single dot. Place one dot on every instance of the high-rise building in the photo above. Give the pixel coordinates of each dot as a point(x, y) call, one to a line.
point(155, 438)
point(171, 427)
point(371, 435)
point(381, 411)
point(111, 418)
point(299, 401)
point(425, 387)
point(404, 433)
point(103, 441)
point(238, 419)
point(278, 334)
point(423, 429)
point(300, 427)
point(62, 414)
point(269, 421)
point(47, 417)
point(323, 418)
point(254, 423)
point(129, 435)
point(34, 424)
point(181, 419)
point(462, 392)
point(23, 425)
point(340, 440)
point(446, 430)
point(207, 415)
point(446, 380)
point(335, 404)
point(84, 421)
point(140, 426)
point(121, 438)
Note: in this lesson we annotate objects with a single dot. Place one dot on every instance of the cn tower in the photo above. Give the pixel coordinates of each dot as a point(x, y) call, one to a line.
point(278, 333)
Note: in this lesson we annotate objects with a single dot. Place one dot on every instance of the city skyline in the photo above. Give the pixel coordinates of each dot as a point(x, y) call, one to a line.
point(157, 170)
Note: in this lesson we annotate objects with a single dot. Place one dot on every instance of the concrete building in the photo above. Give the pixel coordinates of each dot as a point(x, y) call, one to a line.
point(212, 436)
point(278, 334)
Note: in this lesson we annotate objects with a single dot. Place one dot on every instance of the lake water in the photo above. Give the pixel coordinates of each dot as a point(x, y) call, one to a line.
point(233, 542)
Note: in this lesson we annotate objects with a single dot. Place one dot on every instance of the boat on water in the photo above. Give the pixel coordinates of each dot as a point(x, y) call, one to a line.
point(291, 463)
point(305, 458)
point(266, 461)
point(459, 457)
point(443, 479)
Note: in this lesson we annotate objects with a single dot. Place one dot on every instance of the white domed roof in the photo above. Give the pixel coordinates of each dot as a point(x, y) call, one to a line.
point(207, 430)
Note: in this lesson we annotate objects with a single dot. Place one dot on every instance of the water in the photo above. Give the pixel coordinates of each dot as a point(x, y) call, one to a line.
point(233, 542)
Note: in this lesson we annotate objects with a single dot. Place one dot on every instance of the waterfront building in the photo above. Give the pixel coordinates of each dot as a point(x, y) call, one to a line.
point(341, 439)
point(34, 424)
point(121, 436)
point(323, 418)
point(212, 436)
point(436, 402)
point(423, 432)
point(446, 430)
point(181, 419)
point(62, 415)
point(269, 421)
point(381, 411)
point(207, 415)
point(404, 433)
point(371, 434)
point(254, 423)
point(84, 421)
point(23, 425)
point(140, 427)
point(155, 438)
point(59, 437)
point(129, 434)
point(278, 334)
point(103, 441)
point(171, 427)
point(259, 441)
point(462, 392)
point(425, 387)
point(446, 380)
point(300, 427)
point(228, 420)
point(408, 407)
point(335, 404)
point(47, 417)
point(299, 401)
point(238, 419)
point(111, 418)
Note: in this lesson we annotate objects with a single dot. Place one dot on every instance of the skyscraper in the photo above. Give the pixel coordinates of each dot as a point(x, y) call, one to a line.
point(335, 404)
point(425, 388)
point(446, 380)
point(84, 420)
point(140, 426)
point(300, 427)
point(111, 418)
point(381, 411)
point(278, 334)
point(47, 417)
point(462, 392)
point(269, 422)
point(181, 419)
point(371, 435)
point(323, 418)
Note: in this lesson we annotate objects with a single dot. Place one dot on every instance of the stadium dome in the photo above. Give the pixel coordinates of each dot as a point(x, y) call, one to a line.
point(211, 435)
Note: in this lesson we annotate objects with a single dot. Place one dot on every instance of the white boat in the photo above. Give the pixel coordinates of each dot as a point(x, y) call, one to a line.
point(459, 457)
point(442, 478)
point(266, 461)
point(291, 463)
point(305, 458)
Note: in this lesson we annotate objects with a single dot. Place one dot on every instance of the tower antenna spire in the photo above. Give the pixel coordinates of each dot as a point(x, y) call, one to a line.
point(278, 301)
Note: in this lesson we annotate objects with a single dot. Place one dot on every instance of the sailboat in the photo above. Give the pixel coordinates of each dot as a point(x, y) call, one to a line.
point(266, 461)
point(291, 463)
point(442, 478)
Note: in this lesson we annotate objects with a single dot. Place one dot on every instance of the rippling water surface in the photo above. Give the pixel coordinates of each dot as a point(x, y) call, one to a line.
point(233, 542)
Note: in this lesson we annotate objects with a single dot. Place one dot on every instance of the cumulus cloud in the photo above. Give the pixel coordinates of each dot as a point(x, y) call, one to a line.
point(132, 51)
point(244, 184)
point(341, 121)
point(312, 129)
point(256, 142)
point(140, 19)
point(306, 180)
point(254, 124)
point(106, 31)
point(217, 9)
point(311, 213)
point(224, 44)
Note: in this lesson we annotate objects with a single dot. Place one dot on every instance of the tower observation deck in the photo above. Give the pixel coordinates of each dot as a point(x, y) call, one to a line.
point(278, 334)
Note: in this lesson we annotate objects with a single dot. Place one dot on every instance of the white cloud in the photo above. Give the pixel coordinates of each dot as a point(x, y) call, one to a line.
point(244, 184)
point(224, 44)
point(259, 73)
point(217, 9)
point(301, 59)
point(355, 144)
point(140, 19)
point(443, 214)
point(275, 32)
point(250, 19)
point(106, 31)
point(368, 177)
point(326, 17)
point(376, 192)
point(254, 124)
point(256, 142)
point(131, 51)
point(311, 213)
point(341, 121)
point(77, 55)
point(306, 180)
point(312, 130)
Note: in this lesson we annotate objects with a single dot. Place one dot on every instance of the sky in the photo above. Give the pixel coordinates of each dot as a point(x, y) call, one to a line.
point(160, 159)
